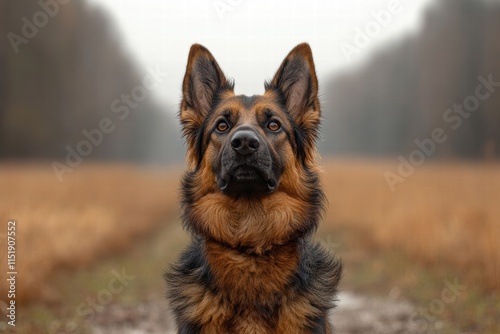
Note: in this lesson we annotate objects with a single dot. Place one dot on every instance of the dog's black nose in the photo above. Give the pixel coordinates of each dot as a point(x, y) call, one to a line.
point(245, 142)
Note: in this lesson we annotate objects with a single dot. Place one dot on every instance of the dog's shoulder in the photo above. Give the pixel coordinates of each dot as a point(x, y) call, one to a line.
point(191, 268)
point(187, 282)
point(318, 274)
point(312, 291)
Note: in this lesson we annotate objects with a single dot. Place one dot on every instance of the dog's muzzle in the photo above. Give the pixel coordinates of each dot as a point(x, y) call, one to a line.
point(246, 164)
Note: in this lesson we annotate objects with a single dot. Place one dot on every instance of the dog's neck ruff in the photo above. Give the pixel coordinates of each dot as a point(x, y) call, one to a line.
point(249, 250)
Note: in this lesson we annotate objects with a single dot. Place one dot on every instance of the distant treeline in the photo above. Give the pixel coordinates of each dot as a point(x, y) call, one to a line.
point(445, 77)
point(68, 90)
point(67, 87)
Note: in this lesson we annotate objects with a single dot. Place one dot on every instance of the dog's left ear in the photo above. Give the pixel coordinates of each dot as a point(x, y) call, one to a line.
point(297, 85)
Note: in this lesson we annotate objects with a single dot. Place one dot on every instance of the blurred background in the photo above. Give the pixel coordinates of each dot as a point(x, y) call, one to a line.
point(91, 152)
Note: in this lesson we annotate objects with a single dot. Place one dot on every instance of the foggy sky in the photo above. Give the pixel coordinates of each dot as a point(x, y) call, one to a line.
point(249, 39)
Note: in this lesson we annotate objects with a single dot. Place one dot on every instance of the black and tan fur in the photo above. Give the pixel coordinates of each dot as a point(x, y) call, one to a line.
point(251, 199)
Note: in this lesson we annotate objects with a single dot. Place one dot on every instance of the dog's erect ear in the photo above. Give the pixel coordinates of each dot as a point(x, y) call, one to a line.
point(203, 82)
point(296, 84)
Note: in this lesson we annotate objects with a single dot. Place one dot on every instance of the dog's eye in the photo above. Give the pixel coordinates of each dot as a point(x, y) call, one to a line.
point(222, 126)
point(273, 126)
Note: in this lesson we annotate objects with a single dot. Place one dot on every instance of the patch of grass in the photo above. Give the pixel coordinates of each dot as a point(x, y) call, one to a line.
point(444, 213)
point(98, 210)
point(80, 289)
point(394, 274)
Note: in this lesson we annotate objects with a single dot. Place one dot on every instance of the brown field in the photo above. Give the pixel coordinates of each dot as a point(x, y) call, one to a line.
point(96, 210)
point(441, 214)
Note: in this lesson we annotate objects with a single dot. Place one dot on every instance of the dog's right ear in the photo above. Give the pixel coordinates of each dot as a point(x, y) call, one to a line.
point(203, 82)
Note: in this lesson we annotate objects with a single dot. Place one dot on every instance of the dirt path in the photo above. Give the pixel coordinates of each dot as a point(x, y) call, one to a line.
point(355, 314)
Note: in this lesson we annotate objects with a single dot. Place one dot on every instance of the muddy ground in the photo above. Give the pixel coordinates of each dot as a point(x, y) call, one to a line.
point(355, 314)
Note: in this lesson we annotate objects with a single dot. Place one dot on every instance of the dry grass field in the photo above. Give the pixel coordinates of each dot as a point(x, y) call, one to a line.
point(443, 214)
point(95, 211)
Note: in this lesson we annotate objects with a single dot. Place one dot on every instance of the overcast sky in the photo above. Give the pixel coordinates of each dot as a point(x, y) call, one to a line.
point(250, 38)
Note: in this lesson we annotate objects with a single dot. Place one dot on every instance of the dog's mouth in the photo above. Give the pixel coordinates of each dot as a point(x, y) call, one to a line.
point(246, 179)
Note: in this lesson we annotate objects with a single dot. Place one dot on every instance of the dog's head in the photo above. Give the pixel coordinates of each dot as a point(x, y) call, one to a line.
point(251, 148)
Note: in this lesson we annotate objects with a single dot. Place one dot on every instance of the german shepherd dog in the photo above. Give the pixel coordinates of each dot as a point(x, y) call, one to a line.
point(251, 199)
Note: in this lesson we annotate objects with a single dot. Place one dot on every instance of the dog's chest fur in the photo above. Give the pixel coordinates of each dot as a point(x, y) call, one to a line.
point(217, 289)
